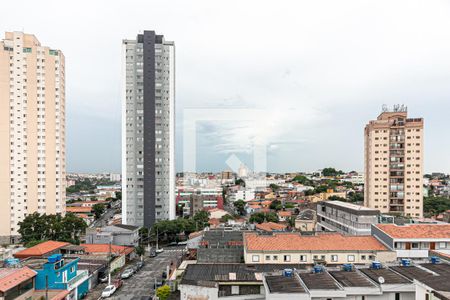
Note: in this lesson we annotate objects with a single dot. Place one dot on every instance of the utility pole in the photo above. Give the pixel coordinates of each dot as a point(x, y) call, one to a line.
point(157, 238)
point(109, 264)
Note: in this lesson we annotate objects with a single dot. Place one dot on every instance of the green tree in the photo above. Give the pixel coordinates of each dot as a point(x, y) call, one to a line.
point(225, 218)
point(337, 198)
point(201, 219)
point(119, 195)
point(240, 182)
point(303, 180)
point(291, 222)
point(433, 206)
point(331, 172)
point(258, 217)
point(274, 187)
point(240, 206)
point(36, 227)
point(261, 217)
point(98, 209)
point(276, 205)
point(139, 250)
point(163, 292)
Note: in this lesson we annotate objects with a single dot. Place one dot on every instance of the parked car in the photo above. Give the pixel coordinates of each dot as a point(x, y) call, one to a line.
point(172, 244)
point(139, 265)
point(152, 252)
point(127, 273)
point(164, 275)
point(182, 243)
point(103, 278)
point(160, 250)
point(117, 283)
point(109, 291)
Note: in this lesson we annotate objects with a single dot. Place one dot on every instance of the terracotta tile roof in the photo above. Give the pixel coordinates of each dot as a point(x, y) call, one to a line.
point(296, 242)
point(78, 209)
point(255, 206)
point(285, 213)
point(104, 248)
point(10, 277)
point(416, 231)
point(214, 221)
point(195, 234)
point(270, 226)
point(40, 249)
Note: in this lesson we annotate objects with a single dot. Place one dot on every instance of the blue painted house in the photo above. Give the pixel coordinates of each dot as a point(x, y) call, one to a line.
point(59, 273)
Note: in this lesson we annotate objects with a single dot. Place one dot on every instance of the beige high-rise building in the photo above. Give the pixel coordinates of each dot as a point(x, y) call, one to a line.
point(32, 131)
point(394, 163)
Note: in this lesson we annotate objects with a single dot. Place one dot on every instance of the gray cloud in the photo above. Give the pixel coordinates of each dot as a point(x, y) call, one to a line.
point(319, 69)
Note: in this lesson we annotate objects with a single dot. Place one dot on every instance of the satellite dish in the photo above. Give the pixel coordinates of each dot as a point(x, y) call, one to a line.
point(381, 279)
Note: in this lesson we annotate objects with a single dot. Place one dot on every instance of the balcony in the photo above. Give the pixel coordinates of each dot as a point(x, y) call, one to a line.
point(340, 220)
point(82, 275)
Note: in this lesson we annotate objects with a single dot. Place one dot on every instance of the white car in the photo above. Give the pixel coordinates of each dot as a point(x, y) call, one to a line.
point(108, 291)
point(160, 250)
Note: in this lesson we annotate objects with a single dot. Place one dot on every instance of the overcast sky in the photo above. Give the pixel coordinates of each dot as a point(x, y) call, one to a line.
point(314, 71)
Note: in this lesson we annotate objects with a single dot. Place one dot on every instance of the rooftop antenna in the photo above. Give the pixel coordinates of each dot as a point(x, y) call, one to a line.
point(384, 108)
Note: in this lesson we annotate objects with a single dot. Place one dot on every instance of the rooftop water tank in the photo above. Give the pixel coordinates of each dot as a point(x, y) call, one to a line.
point(406, 262)
point(54, 258)
point(318, 269)
point(435, 260)
point(288, 272)
point(376, 265)
point(347, 267)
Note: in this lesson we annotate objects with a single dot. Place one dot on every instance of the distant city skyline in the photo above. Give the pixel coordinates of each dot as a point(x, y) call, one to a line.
point(320, 70)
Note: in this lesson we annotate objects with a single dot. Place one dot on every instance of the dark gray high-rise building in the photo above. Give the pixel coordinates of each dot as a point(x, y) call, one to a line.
point(148, 124)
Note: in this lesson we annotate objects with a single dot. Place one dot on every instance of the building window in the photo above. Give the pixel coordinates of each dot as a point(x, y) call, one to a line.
point(255, 258)
point(287, 258)
point(267, 257)
point(363, 257)
point(334, 258)
point(442, 245)
point(414, 245)
point(302, 257)
point(275, 257)
point(350, 258)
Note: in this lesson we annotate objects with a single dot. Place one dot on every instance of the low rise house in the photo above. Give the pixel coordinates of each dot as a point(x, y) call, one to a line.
point(284, 215)
point(345, 218)
point(17, 283)
point(414, 240)
point(299, 282)
point(58, 273)
point(306, 220)
point(118, 234)
point(43, 249)
point(109, 249)
point(287, 248)
point(219, 281)
point(220, 246)
point(270, 227)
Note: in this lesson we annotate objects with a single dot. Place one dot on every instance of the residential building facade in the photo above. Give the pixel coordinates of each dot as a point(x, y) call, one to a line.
point(32, 131)
point(394, 163)
point(148, 118)
point(345, 218)
point(414, 240)
point(120, 234)
point(293, 248)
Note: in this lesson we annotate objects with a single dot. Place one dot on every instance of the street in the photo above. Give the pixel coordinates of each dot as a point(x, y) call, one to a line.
point(141, 283)
point(104, 219)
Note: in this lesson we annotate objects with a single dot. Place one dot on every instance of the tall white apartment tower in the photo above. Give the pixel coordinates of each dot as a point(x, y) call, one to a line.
point(148, 125)
point(32, 131)
point(394, 163)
